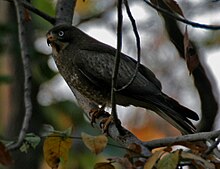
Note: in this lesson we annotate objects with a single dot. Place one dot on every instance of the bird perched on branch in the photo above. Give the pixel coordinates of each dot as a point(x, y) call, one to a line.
point(87, 65)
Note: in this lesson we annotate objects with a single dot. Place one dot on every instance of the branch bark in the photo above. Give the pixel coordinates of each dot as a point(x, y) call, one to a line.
point(64, 11)
point(38, 12)
point(190, 137)
point(27, 73)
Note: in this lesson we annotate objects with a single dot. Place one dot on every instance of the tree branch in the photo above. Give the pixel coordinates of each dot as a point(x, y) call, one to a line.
point(190, 137)
point(38, 12)
point(137, 43)
point(31, 8)
point(27, 73)
point(126, 139)
point(64, 11)
point(116, 66)
point(183, 20)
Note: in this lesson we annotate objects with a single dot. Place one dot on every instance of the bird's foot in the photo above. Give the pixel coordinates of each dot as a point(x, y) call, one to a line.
point(105, 123)
point(96, 113)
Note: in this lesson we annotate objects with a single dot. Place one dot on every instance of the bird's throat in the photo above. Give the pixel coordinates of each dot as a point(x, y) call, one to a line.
point(57, 47)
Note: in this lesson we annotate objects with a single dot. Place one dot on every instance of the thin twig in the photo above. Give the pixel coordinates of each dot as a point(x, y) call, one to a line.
point(183, 20)
point(31, 8)
point(190, 137)
point(45, 16)
point(116, 65)
point(212, 147)
point(137, 43)
point(27, 74)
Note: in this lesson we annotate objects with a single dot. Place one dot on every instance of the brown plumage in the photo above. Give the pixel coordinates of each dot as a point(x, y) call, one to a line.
point(87, 65)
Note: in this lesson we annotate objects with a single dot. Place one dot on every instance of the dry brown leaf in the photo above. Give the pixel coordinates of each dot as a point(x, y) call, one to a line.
point(124, 162)
point(191, 56)
point(168, 149)
point(205, 163)
point(217, 165)
point(5, 157)
point(135, 148)
point(104, 165)
point(95, 144)
point(197, 147)
point(56, 149)
point(153, 159)
point(173, 5)
point(27, 16)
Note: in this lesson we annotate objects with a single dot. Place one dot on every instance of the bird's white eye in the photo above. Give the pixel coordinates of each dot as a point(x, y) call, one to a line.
point(60, 33)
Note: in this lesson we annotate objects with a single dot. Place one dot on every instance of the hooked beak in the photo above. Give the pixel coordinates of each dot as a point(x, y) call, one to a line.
point(50, 38)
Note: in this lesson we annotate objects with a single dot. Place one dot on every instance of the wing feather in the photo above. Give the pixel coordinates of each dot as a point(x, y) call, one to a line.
point(97, 67)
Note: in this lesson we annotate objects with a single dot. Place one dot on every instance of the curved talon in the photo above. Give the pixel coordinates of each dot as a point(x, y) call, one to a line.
point(96, 113)
point(105, 123)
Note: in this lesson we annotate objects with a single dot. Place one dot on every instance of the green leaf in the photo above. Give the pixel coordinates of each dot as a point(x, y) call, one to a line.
point(30, 141)
point(25, 147)
point(170, 161)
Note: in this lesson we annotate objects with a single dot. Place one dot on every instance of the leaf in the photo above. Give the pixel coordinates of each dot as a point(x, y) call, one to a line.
point(24, 147)
point(173, 5)
point(170, 161)
point(206, 164)
point(197, 147)
point(153, 159)
point(104, 165)
point(134, 149)
point(30, 140)
point(124, 162)
point(95, 144)
point(56, 148)
point(5, 157)
point(191, 56)
point(27, 16)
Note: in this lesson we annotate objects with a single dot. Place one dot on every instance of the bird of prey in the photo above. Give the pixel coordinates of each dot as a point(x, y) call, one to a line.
point(87, 66)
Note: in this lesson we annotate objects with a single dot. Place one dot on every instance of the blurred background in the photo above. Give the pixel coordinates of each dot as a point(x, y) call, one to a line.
point(54, 103)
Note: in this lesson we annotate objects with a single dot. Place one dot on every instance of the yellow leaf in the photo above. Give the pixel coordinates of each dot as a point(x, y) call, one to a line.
point(96, 144)
point(104, 165)
point(56, 148)
point(153, 159)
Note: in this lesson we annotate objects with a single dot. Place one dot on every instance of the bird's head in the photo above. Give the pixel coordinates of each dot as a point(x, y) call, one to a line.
point(59, 37)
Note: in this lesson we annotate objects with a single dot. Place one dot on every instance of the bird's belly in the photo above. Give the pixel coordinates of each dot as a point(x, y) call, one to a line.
point(77, 81)
point(86, 88)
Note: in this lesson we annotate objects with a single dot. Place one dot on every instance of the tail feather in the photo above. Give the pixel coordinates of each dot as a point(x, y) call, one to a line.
point(173, 112)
